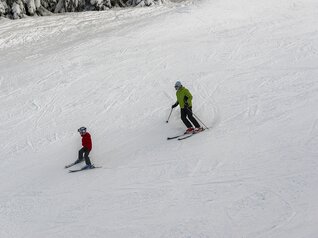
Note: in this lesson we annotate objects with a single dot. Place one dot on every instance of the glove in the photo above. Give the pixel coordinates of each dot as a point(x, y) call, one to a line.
point(174, 105)
point(186, 104)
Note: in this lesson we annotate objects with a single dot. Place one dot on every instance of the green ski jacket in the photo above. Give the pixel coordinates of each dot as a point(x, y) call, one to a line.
point(184, 96)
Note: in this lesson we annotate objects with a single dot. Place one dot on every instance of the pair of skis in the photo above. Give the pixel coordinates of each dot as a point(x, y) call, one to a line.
point(81, 169)
point(183, 136)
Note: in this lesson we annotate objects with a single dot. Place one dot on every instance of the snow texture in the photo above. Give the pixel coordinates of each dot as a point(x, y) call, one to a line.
point(252, 69)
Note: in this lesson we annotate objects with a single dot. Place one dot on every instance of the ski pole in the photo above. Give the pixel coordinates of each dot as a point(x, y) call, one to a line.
point(169, 115)
point(200, 121)
point(189, 110)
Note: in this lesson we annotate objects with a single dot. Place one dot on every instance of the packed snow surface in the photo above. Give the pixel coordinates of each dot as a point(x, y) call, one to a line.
point(252, 68)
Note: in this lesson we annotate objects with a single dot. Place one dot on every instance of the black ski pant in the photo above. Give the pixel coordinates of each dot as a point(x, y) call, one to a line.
point(187, 118)
point(84, 151)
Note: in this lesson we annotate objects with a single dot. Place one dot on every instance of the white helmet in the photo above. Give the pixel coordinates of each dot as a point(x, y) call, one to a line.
point(177, 85)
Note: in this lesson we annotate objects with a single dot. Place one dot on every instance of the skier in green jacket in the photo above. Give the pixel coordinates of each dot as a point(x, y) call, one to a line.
point(184, 99)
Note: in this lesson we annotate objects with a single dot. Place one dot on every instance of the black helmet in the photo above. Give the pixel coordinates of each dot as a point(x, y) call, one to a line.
point(82, 129)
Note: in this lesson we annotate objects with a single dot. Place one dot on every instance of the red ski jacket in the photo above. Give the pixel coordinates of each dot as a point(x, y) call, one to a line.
point(87, 141)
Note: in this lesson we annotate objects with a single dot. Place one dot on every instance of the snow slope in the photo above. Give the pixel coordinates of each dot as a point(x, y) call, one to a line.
point(252, 68)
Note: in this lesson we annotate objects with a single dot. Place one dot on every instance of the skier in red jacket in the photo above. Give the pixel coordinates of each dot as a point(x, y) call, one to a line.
point(87, 147)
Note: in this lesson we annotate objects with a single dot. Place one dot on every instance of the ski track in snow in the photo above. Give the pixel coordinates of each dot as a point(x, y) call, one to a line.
point(251, 68)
